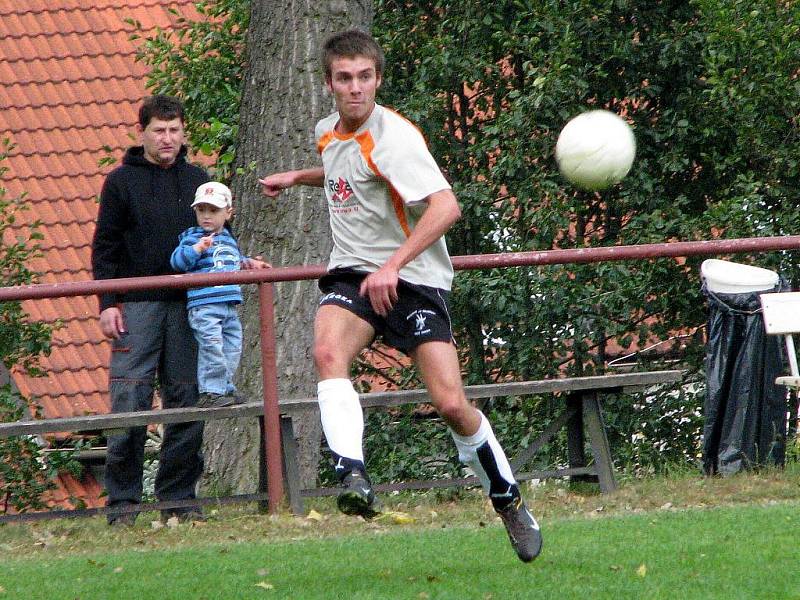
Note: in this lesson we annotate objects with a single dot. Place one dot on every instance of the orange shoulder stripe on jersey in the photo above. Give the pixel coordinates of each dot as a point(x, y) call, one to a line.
point(324, 141)
point(367, 145)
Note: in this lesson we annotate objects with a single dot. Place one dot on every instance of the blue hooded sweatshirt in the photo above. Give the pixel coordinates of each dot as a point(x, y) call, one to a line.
point(223, 256)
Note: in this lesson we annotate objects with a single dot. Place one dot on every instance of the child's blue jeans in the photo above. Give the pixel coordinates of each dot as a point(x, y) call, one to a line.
point(218, 332)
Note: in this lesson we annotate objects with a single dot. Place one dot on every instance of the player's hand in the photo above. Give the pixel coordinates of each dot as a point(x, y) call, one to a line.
point(111, 322)
point(273, 185)
point(257, 262)
point(203, 244)
point(381, 289)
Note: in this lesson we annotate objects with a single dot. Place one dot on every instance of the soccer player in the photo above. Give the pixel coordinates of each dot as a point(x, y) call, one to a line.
point(389, 275)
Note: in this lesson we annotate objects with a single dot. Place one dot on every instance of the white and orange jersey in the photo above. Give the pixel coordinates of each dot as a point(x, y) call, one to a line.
point(376, 182)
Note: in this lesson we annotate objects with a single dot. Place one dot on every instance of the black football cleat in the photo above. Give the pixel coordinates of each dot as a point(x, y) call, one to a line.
point(523, 530)
point(357, 496)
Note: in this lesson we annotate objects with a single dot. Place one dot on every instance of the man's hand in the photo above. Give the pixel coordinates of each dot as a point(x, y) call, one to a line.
point(381, 286)
point(381, 289)
point(273, 185)
point(258, 262)
point(111, 322)
point(204, 243)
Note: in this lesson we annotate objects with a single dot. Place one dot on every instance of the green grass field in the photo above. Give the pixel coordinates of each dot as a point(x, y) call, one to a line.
point(734, 552)
point(695, 545)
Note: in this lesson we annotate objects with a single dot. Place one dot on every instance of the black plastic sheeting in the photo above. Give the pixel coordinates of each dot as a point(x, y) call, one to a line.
point(744, 411)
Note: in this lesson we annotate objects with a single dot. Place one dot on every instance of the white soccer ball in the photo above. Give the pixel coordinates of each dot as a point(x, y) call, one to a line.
point(595, 150)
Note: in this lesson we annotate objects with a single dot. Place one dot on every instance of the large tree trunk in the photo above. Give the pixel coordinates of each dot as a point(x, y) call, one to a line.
point(282, 99)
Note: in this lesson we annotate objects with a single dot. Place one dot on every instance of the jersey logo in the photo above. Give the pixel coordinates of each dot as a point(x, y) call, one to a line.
point(342, 197)
point(340, 190)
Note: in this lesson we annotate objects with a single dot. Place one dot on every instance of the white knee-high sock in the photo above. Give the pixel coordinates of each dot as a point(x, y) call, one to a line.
point(482, 453)
point(342, 418)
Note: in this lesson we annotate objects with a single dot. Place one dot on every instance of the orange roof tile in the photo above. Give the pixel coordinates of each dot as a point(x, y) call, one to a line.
point(70, 492)
point(70, 86)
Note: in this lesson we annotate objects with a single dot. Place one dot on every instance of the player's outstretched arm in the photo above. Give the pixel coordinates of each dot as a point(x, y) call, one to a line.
point(273, 185)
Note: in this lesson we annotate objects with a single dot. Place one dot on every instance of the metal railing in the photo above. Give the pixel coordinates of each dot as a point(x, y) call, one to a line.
point(264, 278)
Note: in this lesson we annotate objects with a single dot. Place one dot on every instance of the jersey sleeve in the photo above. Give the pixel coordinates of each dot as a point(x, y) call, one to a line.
point(404, 160)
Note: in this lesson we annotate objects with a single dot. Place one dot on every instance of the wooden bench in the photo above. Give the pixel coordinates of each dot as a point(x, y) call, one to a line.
point(582, 410)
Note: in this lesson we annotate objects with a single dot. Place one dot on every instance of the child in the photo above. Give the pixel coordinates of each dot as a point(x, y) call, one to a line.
point(213, 316)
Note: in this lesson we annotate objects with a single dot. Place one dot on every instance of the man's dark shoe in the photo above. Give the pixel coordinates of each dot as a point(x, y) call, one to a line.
point(183, 515)
point(209, 400)
point(122, 519)
point(357, 496)
point(523, 530)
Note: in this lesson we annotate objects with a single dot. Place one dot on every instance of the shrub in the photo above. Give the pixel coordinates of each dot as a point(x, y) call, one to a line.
point(25, 473)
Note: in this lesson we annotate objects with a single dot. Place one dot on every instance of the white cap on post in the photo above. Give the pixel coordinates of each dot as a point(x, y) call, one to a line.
point(724, 277)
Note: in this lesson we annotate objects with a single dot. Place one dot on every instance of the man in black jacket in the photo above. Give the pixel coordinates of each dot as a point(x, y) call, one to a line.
point(144, 205)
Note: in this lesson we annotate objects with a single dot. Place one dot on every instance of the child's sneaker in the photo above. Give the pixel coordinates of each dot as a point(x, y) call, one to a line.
point(232, 400)
point(210, 400)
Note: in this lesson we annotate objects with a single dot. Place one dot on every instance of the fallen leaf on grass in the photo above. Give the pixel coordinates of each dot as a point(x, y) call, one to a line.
point(399, 518)
point(118, 569)
point(642, 570)
point(265, 585)
point(314, 515)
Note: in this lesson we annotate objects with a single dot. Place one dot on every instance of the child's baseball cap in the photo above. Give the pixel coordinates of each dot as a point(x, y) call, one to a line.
point(214, 193)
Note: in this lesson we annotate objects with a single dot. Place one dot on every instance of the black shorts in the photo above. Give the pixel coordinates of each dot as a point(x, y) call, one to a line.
point(420, 314)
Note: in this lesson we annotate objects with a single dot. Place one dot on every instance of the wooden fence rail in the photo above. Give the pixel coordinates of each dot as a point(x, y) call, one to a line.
point(582, 410)
point(271, 408)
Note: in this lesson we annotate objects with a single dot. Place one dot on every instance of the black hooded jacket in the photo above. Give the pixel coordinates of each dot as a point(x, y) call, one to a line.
point(143, 209)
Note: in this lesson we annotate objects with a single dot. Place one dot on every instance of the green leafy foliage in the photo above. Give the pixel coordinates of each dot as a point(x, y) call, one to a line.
point(710, 88)
point(202, 61)
point(25, 473)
